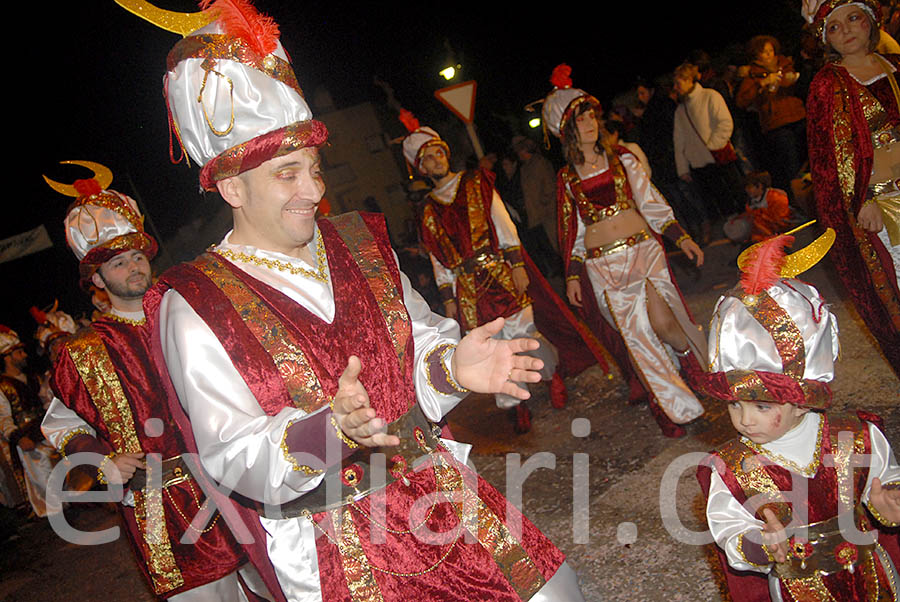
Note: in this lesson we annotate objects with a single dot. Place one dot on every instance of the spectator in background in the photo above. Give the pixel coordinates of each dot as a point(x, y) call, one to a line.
point(658, 117)
point(770, 89)
point(767, 208)
point(702, 127)
point(538, 179)
point(509, 186)
point(614, 132)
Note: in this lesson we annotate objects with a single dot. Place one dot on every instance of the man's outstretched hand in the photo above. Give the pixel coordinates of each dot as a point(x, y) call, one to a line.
point(353, 413)
point(487, 365)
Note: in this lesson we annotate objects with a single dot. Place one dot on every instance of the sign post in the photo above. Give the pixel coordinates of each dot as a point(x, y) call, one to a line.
point(460, 99)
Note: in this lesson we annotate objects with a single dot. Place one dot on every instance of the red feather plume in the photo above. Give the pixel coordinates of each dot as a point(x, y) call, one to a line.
point(561, 76)
point(409, 120)
point(763, 267)
point(87, 187)
point(240, 18)
point(39, 316)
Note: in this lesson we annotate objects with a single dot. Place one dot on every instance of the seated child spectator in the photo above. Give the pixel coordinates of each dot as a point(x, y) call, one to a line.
point(767, 206)
point(766, 213)
point(775, 494)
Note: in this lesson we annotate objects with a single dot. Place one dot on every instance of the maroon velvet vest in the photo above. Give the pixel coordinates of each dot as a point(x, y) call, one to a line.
point(253, 321)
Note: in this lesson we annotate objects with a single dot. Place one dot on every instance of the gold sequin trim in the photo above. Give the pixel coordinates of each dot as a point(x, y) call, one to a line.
point(296, 466)
point(150, 517)
point(69, 436)
point(123, 320)
point(740, 550)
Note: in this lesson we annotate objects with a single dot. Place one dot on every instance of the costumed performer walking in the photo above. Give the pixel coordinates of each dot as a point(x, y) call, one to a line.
point(610, 219)
point(292, 337)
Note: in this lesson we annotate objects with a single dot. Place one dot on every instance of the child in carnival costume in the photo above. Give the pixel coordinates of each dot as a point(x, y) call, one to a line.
point(802, 496)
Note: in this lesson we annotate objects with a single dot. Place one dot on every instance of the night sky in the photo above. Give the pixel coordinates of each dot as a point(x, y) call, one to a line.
point(93, 88)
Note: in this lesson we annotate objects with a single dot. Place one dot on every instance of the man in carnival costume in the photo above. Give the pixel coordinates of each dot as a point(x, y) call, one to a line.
point(27, 459)
point(853, 116)
point(297, 348)
point(481, 270)
point(803, 494)
point(110, 401)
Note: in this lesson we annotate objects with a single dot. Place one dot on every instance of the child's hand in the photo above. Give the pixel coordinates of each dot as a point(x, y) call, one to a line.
point(885, 501)
point(774, 536)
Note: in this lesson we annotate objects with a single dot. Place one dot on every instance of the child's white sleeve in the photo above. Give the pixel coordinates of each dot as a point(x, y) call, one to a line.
point(728, 522)
point(882, 463)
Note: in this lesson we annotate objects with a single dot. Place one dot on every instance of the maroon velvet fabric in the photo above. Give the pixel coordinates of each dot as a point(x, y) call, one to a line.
point(468, 573)
point(216, 553)
point(826, 117)
point(359, 328)
point(494, 301)
point(577, 346)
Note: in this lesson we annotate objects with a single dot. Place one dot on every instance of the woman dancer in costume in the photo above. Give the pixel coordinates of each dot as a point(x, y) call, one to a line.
point(854, 157)
point(610, 219)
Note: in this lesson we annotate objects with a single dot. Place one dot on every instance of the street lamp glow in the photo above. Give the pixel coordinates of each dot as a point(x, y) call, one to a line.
point(448, 72)
point(534, 122)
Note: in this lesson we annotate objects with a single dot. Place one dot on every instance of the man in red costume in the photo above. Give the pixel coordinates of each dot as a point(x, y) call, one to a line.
point(297, 349)
point(478, 261)
point(110, 401)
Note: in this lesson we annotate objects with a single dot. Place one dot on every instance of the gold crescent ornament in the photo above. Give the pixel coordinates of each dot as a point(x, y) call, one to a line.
point(170, 20)
point(799, 261)
point(102, 174)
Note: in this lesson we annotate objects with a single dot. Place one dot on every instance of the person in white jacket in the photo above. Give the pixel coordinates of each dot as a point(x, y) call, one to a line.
point(703, 124)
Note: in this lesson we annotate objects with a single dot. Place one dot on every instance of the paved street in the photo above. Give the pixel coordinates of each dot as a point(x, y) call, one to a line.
point(618, 544)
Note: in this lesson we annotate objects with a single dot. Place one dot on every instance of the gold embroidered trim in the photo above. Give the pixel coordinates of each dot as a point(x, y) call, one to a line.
point(101, 380)
point(320, 273)
point(150, 517)
point(296, 466)
point(340, 434)
point(69, 436)
point(101, 477)
point(292, 364)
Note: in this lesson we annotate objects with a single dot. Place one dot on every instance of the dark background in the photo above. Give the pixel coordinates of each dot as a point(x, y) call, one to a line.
point(92, 89)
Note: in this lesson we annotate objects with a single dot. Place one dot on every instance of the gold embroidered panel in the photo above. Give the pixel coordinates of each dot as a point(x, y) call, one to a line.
point(151, 520)
point(278, 342)
point(102, 382)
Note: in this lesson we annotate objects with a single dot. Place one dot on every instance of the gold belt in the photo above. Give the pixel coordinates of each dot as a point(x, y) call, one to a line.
point(174, 471)
point(617, 245)
point(608, 212)
point(418, 438)
point(484, 259)
point(823, 552)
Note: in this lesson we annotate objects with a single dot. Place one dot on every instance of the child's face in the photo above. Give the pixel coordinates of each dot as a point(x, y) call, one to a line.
point(763, 422)
point(754, 190)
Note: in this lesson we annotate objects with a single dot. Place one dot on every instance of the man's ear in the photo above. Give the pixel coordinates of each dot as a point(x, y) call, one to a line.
point(97, 279)
point(232, 190)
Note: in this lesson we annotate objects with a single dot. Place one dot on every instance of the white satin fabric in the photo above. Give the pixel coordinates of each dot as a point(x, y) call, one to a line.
point(620, 282)
point(737, 341)
point(727, 518)
point(89, 225)
point(258, 103)
point(36, 464)
point(415, 141)
point(555, 106)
